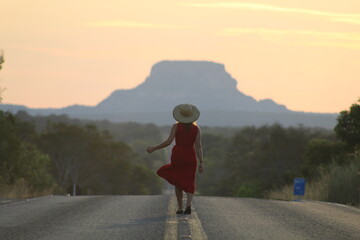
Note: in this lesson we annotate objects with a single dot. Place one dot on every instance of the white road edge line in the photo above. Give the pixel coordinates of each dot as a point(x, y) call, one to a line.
point(196, 229)
point(171, 225)
point(21, 201)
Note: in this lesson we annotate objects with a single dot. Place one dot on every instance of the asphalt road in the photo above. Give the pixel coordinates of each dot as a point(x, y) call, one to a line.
point(232, 218)
point(153, 217)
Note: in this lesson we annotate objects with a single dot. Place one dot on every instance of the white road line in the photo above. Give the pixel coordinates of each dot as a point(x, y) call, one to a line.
point(21, 201)
point(197, 232)
point(171, 225)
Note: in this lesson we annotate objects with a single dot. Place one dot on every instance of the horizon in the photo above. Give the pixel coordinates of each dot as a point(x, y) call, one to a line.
point(304, 55)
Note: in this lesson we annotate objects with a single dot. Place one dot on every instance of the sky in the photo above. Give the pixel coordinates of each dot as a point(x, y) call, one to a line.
point(304, 54)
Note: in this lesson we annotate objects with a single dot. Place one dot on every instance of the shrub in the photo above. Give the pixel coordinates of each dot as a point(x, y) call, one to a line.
point(338, 183)
point(344, 184)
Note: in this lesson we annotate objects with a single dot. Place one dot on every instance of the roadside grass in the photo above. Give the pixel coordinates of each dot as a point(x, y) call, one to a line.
point(339, 184)
point(20, 190)
point(313, 191)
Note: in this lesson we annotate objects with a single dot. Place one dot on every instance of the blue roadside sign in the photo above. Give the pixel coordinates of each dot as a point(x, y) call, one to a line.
point(299, 186)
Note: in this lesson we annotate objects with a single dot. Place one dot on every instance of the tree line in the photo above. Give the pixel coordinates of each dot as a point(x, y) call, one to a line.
point(258, 160)
point(102, 157)
point(65, 154)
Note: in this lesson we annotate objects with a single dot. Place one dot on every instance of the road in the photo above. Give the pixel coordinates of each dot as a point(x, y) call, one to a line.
point(153, 217)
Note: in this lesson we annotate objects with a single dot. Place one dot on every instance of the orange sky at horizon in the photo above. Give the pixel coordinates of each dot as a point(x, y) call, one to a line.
point(302, 54)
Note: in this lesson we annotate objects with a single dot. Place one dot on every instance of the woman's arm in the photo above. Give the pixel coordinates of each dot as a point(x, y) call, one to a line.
point(199, 150)
point(165, 143)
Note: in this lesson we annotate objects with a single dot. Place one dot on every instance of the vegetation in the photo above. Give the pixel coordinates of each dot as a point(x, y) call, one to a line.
point(136, 136)
point(255, 160)
point(333, 167)
point(348, 127)
point(20, 160)
point(338, 183)
point(263, 161)
point(2, 60)
point(91, 159)
point(101, 157)
point(65, 154)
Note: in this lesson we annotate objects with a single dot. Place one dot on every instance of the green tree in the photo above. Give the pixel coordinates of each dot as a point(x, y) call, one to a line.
point(343, 182)
point(94, 161)
point(74, 151)
point(263, 158)
point(19, 158)
point(215, 150)
point(347, 128)
point(2, 60)
point(319, 154)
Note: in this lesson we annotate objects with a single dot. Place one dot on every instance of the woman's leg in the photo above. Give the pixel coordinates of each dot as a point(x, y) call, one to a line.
point(188, 203)
point(179, 196)
point(189, 199)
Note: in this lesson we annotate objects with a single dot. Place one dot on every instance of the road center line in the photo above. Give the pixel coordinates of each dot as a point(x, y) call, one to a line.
point(172, 221)
point(171, 225)
point(197, 232)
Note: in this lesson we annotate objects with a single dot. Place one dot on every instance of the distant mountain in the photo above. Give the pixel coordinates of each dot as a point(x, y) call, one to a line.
point(203, 83)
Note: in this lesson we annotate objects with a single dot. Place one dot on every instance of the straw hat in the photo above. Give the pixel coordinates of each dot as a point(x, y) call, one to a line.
point(186, 113)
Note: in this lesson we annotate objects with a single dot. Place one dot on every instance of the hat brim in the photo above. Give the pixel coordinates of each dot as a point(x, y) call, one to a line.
point(180, 118)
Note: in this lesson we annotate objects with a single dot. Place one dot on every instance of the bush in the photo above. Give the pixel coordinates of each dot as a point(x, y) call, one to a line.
point(95, 162)
point(319, 154)
point(344, 184)
point(264, 158)
point(337, 183)
point(21, 163)
point(23, 189)
point(348, 127)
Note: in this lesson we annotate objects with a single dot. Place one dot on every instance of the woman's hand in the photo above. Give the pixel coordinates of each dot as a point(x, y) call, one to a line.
point(150, 149)
point(200, 168)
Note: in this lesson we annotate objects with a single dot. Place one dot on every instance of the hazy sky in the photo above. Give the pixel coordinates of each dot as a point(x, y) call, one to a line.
point(304, 54)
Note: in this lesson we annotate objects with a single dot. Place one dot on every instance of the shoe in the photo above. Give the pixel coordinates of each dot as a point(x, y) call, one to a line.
point(179, 211)
point(187, 210)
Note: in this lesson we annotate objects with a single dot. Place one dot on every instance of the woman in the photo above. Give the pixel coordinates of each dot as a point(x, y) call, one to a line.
point(181, 171)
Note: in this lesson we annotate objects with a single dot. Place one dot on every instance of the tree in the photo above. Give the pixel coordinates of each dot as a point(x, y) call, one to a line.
point(260, 159)
point(347, 128)
point(319, 154)
point(95, 162)
point(19, 157)
point(215, 147)
point(74, 151)
point(2, 60)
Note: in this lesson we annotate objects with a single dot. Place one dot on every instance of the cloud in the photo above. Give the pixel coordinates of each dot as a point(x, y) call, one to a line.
point(339, 17)
point(348, 20)
point(336, 39)
point(70, 53)
point(128, 24)
point(263, 31)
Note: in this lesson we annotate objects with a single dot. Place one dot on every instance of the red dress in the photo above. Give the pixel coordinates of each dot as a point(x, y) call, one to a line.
point(181, 171)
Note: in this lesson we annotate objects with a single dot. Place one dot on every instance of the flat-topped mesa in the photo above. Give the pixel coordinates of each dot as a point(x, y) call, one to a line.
point(194, 75)
point(203, 83)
